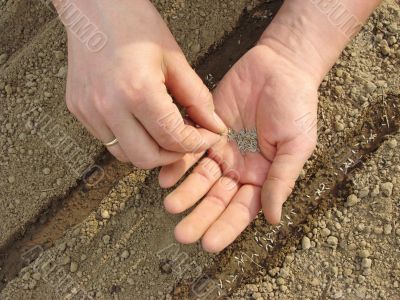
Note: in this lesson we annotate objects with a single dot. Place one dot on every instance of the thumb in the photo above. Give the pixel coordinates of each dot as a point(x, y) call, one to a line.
point(281, 178)
point(189, 91)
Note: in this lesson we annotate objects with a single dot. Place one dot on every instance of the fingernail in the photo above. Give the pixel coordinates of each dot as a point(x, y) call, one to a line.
point(221, 124)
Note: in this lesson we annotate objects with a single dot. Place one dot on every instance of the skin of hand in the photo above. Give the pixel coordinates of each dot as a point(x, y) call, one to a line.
point(262, 91)
point(124, 89)
point(273, 88)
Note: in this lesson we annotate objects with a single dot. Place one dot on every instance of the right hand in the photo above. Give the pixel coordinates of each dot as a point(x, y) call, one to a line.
point(268, 92)
point(122, 91)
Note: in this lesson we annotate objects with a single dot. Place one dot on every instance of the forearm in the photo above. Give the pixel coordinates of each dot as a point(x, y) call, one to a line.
point(313, 33)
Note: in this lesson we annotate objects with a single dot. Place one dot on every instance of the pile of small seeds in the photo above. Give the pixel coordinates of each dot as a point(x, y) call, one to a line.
point(246, 140)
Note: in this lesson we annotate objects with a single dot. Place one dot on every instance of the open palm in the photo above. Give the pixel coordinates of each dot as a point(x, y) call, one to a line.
point(266, 92)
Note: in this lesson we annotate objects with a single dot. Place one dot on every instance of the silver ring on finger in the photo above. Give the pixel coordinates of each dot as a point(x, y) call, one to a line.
point(112, 143)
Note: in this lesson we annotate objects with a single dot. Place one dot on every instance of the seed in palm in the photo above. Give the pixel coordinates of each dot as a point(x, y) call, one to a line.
point(246, 140)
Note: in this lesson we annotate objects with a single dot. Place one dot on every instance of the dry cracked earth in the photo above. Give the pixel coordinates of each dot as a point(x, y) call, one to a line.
point(84, 226)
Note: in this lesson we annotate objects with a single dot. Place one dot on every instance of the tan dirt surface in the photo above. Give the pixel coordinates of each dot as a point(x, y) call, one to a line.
point(44, 150)
point(339, 237)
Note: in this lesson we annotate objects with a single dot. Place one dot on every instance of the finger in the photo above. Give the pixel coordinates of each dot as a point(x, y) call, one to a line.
point(194, 187)
point(163, 121)
point(96, 125)
point(170, 175)
point(285, 169)
point(190, 91)
point(138, 145)
point(192, 227)
point(237, 216)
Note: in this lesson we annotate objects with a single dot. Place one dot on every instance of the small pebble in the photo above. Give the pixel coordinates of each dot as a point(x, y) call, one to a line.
point(387, 189)
point(65, 260)
point(385, 50)
point(378, 230)
point(361, 279)
point(352, 200)
point(8, 88)
point(325, 232)
point(196, 47)
point(371, 87)
point(61, 247)
point(3, 58)
point(125, 254)
point(32, 284)
point(26, 276)
point(332, 240)
point(11, 179)
point(387, 229)
point(46, 171)
point(364, 192)
point(74, 267)
point(366, 263)
point(305, 243)
point(338, 295)
point(392, 143)
point(339, 126)
point(280, 281)
point(59, 55)
point(289, 259)
point(62, 72)
point(364, 254)
point(105, 214)
point(106, 239)
point(36, 276)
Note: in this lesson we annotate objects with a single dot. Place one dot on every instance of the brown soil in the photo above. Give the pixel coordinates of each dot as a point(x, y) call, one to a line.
point(339, 238)
point(34, 117)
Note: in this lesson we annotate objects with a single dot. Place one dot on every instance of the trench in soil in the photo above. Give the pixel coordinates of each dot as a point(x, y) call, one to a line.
point(66, 212)
point(325, 185)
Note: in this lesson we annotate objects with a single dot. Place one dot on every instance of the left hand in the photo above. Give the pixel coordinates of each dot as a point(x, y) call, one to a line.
point(263, 91)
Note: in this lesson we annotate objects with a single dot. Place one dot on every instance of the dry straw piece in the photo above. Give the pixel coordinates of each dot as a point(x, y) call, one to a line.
point(245, 139)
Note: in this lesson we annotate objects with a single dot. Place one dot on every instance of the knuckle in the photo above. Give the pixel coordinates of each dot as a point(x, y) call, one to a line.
point(140, 87)
point(148, 162)
point(139, 84)
point(171, 122)
point(189, 139)
point(112, 98)
point(168, 142)
point(288, 183)
point(104, 105)
point(208, 170)
point(218, 201)
point(205, 97)
point(174, 134)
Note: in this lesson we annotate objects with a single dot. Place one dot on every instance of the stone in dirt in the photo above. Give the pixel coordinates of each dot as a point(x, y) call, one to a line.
point(387, 189)
point(105, 214)
point(352, 200)
point(305, 243)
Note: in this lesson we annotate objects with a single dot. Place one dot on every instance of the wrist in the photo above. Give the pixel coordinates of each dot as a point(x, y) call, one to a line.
point(81, 20)
point(312, 34)
point(291, 46)
point(71, 12)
